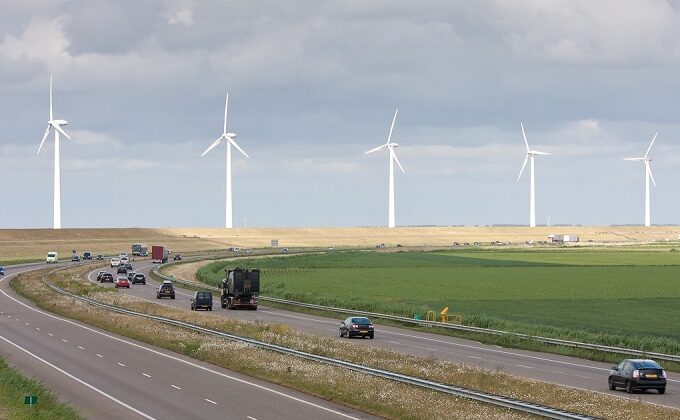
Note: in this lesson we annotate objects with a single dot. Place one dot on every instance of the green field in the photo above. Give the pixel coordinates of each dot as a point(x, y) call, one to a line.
point(627, 298)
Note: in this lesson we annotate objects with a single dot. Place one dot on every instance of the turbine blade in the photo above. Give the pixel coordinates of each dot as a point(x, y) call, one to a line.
point(649, 171)
point(525, 136)
point(633, 158)
point(394, 156)
point(389, 137)
point(56, 127)
point(212, 146)
point(237, 147)
point(526, 159)
point(51, 117)
point(535, 152)
point(650, 144)
point(375, 149)
point(226, 105)
point(47, 132)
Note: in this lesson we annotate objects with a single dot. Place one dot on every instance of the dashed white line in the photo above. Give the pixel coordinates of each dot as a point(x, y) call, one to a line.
point(210, 401)
point(37, 329)
point(477, 357)
point(393, 342)
point(99, 355)
point(65, 341)
point(81, 347)
point(175, 386)
point(430, 349)
point(146, 374)
point(251, 418)
point(120, 364)
point(525, 366)
point(50, 334)
point(27, 323)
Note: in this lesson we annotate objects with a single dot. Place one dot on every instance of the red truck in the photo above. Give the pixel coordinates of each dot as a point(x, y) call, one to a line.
point(159, 254)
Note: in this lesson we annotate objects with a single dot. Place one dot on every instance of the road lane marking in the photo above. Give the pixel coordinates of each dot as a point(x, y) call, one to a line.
point(147, 375)
point(65, 341)
point(92, 387)
point(99, 355)
point(120, 364)
point(27, 323)
point(50, 334)
point(175, 386)
point(477, 357)
point(81, 347)
point(210, 401)
point(393, 342)
point(251, 418)
point(37, 329)
point(525, 366)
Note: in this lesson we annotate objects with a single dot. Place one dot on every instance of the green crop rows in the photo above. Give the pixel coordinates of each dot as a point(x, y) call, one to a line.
point(623, 298)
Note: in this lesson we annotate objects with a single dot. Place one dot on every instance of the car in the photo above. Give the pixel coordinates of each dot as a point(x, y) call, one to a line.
point(52, 257)
point(177, 257)
point(122, 282)
point(632, 374)
point(357, 325)
point(128, 266)
point(75, 258)
point(99, 275)
point(130, 275)
point(87, 256)
point(202, 300)
point(121, 270)
point(100, 257)
point(144, 254)
point(284, 251)
point(123, 255)
point(106, 277)
point(124, 260)
point(165, 289)
point(115, 262)
point(2, 271)
point(138, 278)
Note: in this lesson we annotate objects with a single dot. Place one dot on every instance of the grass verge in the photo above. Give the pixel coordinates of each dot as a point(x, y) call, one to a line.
point(14, 387)
point(370, 394)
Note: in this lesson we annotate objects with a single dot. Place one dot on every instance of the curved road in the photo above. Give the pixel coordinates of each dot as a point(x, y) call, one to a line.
point(111, 376)
point(570, 371)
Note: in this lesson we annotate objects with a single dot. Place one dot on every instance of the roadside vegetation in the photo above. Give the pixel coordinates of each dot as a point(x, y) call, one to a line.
point(14, 387)
point(375, 395)
point(571, 294)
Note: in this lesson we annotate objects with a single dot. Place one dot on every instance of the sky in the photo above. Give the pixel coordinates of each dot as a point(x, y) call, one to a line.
point(313, 85)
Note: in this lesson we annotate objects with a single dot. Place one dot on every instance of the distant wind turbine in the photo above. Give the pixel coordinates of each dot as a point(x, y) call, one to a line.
point(56, 124)
point(532, 200)
point(229, 137)
point(648, 176)
point(393, 158)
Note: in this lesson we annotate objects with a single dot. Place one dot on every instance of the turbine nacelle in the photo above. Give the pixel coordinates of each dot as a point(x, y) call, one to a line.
point(57, 122)
point(232, 135)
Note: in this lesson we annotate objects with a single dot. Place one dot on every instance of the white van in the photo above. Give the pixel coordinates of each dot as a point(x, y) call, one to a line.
point(115, 262)
point(52, 257)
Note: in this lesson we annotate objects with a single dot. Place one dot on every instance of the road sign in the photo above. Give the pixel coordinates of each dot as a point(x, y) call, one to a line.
point(31, 399)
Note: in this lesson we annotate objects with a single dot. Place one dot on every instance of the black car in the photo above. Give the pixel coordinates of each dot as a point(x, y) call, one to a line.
point(87, 256)
point(138, 278)
point(2, 271)
point(357, 325)
point(75, 258)
point(128, 266)
point(202, 300)
point(633, 374)
point(177, 257)
point(130, 275)
point(106, 277)
point(165, 290)
point(99, 275)
point(100, 257)
point(121, 270)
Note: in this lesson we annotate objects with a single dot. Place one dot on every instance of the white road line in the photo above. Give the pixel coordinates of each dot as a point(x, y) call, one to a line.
point(27, 323)
point(99, 355)
point(477, 357)
point(175, 386)
point(65, 341)
point(210, 401)
point(120, 364)
point(147, 375)
point(62, 371)
point(251, 418)
point(37, 329)
point(525, 366)
point(177, 359)
point(430, 349)
point(50, 334)
point(81, 347)
point(393, 342)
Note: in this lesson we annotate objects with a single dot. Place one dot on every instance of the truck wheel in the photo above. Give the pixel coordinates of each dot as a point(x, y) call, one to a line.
point(224, 305)
point(172, 297)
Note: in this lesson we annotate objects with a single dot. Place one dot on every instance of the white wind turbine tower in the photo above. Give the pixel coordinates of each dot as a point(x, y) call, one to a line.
point(393, 158)
point(229, 137)
point(648, 176)
point(532, 200)
point(56, 124)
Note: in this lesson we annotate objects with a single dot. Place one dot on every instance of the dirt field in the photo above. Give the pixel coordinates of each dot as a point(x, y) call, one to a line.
point(35, 243)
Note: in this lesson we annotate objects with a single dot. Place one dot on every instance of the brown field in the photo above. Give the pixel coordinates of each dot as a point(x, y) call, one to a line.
point(35, 243)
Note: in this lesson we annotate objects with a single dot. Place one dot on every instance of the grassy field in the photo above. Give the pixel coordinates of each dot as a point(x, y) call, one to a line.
point(14, 387)
point(612, 297)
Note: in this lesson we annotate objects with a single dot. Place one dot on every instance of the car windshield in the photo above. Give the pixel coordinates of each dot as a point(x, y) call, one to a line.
point(166, 286)
point(646, 364)
point(360, 321)
point(51, 254)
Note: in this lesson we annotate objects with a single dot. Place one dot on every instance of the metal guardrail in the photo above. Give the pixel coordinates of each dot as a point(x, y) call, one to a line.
point(497, 400)
point(459, 327)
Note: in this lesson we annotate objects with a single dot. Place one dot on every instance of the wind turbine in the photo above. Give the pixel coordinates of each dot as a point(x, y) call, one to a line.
point(393, 158)
point(532, 200)
point(56, 124)
point(648, 176)
point(229, 137)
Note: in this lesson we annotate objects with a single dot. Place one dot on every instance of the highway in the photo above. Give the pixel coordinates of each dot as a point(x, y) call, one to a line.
point(569, 371)
point(111, 376)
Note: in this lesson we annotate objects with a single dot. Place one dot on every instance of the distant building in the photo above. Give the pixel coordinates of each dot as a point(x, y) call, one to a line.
point(562, 238)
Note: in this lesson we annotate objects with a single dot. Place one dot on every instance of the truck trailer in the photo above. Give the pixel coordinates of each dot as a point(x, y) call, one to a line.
point(240, 288)
point(159, 254)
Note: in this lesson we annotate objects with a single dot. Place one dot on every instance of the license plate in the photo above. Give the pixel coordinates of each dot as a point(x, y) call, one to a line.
point(364, 331)
point(650, 376)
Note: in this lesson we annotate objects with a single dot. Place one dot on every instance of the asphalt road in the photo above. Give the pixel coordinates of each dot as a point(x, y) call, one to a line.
point(569, 371)
point(111, 376)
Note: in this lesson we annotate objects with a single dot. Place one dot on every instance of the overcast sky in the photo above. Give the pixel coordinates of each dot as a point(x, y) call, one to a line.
point(313, 85)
